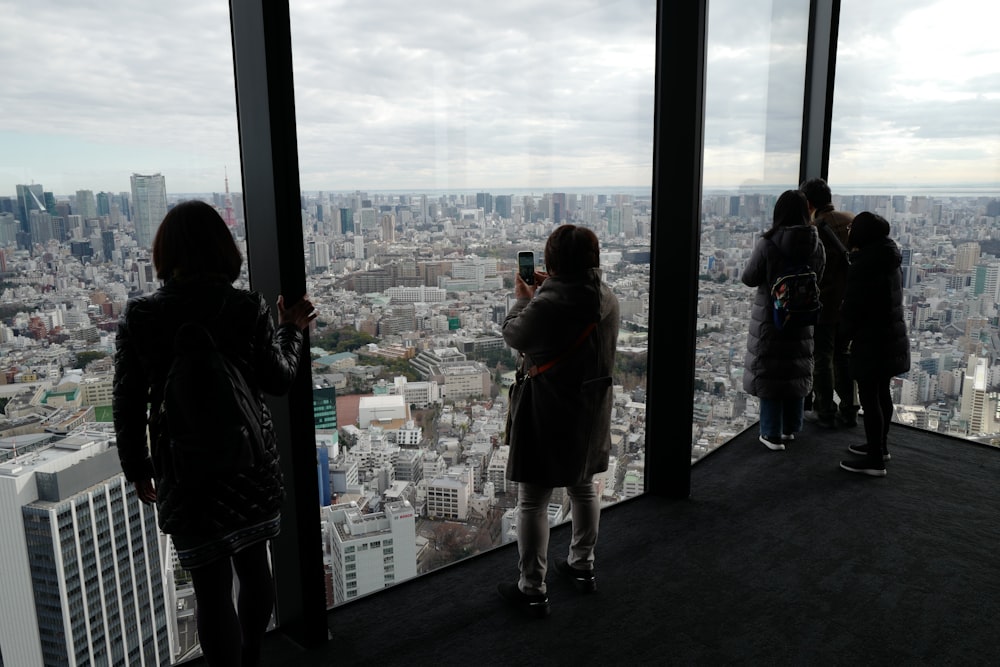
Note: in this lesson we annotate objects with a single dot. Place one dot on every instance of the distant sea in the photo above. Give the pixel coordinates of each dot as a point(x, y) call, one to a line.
point(644, 192)
point(954, 190)
point(635, 191)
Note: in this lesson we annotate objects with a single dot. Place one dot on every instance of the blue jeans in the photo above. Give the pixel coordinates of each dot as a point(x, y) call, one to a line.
point(780, 416)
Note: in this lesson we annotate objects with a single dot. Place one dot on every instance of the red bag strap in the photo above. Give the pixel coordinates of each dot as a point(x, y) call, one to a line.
point(537, 370)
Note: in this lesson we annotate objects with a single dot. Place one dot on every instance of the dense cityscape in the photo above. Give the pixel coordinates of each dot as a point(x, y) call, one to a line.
point(410, 373)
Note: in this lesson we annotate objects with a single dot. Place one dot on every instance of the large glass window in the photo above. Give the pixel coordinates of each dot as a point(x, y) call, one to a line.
point(916, 139)
point(110, 114)
point(753, 126)
point(433, 147)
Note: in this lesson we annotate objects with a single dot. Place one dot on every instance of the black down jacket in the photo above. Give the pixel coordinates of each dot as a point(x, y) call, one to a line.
point(241, 324)
point(872, 316)
point(779, 364)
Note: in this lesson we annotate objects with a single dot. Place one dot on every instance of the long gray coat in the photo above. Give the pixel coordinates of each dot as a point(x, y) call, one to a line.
point(779, 364)
point(563, 436)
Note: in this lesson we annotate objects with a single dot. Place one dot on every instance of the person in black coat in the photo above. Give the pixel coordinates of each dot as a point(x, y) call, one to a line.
point(873, 320)
point(778, 367)
point(219, 523)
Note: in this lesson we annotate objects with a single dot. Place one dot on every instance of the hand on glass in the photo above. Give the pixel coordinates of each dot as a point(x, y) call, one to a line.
point(301, 314)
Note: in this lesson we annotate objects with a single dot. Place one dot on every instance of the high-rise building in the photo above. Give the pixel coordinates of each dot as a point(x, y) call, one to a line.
point(367, 552)
point(484, 200)
point(978, 404)
point(149, 199)
point(103, 202)
point(503, 204)
point(967, 256)
point(86, 204)
point(40, 227)
point(9, 227)
point(560, 212)
point(325, 407)
point(82, 577)
point(29, 198)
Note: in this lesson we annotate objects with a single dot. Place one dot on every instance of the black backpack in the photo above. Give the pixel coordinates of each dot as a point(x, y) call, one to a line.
point(795, 296)
point(210, 415)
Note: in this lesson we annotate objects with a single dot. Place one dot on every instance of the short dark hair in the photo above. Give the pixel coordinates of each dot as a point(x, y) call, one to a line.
point(193, 240)
point(571, 251)
point(817, 192)
point(790, 209)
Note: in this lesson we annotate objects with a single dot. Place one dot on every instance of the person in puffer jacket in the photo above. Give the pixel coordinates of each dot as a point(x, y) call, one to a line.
point(778, 367)
point(873, 319)
point(223, 524)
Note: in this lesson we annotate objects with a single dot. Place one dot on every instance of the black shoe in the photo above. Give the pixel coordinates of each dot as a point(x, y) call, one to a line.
point(862, 450)
point(846, 422)
point(583, 579)
point(533, 605)
point(774, 444)
point(864, 467)
point(819, 420)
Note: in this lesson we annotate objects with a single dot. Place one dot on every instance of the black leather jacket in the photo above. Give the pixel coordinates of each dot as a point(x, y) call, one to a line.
point(241, 324)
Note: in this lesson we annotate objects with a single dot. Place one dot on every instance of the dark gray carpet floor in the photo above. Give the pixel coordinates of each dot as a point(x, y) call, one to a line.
point(777, 558)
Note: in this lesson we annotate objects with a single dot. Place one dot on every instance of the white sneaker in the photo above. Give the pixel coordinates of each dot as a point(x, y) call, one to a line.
point(773, 446)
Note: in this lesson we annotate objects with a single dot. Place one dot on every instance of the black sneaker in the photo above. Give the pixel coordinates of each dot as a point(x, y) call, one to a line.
point(846, 422)
point(864, 467)
point(774, 444)
point(583, 579)
point(862, 450)
point(820, 420)
point(533, 605)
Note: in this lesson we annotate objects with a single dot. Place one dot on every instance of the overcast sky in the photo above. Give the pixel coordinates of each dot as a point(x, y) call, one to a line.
point(404, 95)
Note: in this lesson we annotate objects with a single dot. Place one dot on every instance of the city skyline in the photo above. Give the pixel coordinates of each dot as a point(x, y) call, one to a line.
point(917, 99)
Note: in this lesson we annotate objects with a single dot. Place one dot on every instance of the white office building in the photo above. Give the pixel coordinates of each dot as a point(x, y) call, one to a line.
point(368, 552)
point(82, 580)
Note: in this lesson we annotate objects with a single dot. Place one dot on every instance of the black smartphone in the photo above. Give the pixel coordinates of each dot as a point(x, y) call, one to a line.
point(526, 266)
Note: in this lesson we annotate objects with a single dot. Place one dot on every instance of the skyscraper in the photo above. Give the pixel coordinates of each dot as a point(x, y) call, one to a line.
point(86, 204)
point(82, 568)
point(29, 198)
point(149, 199)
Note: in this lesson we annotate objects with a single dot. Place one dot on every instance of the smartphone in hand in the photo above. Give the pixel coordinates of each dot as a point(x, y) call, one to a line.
point(526, 266)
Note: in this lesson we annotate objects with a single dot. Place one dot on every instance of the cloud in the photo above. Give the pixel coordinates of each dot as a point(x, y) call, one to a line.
point(412, 95)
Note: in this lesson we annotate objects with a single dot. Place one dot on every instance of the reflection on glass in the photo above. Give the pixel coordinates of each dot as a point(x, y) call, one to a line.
point(916, 139)
point(120, 114)
point(429, 157)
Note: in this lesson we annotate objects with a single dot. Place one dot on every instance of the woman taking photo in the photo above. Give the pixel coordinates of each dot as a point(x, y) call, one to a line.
point(219, 520)
point(565, 325)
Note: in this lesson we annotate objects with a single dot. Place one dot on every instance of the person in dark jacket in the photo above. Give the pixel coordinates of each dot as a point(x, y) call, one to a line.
point(830, 351)
point(778, 367)
point(565, 326)
point(874, 321)
point(221, 525)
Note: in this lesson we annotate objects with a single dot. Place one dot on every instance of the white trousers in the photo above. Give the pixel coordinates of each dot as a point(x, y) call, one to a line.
point(533, 531)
